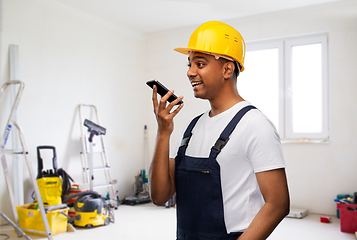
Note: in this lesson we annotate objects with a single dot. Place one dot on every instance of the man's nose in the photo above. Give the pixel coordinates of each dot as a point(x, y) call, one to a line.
point(191, 73)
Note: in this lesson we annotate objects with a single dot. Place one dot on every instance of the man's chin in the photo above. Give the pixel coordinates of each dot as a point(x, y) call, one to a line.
point(200, 96)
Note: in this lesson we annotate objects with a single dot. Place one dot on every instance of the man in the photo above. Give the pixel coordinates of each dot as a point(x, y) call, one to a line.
point(229, 157)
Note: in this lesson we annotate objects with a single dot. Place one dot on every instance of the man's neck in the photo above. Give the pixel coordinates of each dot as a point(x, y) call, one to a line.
point(219, 106)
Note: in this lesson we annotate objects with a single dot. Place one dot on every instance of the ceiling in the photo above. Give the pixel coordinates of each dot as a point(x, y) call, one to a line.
point(145, 16)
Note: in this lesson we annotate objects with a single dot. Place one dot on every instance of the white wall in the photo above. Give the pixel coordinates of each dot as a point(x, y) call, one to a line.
point(316, 172)
point(68, 58)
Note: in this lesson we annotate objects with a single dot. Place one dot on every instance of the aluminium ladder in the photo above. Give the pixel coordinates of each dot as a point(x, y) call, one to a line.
point(12, 123)
point(98, 149)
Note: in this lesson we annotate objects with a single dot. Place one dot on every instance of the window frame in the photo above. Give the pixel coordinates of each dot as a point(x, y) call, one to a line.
point(284, 46)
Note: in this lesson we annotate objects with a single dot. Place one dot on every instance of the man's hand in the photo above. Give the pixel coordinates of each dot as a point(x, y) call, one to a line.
point(164, 114)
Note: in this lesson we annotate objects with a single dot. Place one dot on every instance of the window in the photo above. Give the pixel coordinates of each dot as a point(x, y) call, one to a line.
point(287, 80)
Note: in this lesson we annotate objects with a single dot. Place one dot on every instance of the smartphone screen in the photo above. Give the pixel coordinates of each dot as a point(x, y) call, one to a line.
point(162, 90)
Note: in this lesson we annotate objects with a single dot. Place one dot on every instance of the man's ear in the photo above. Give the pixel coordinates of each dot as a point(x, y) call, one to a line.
point(228, 69)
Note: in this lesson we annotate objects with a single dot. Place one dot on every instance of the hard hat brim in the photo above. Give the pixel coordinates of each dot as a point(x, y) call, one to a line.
point(187, 51)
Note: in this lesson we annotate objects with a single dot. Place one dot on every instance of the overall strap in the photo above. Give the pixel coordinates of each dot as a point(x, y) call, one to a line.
point(188, 133)
point(224, 137)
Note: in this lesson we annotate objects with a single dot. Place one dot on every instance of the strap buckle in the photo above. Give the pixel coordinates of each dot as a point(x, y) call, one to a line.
point(220, 144)
point(185, 141)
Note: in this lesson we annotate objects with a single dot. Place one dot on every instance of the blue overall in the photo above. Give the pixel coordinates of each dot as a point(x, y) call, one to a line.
point(199, 198)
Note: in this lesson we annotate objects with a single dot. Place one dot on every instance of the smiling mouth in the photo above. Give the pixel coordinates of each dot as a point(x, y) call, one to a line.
point(195, 84)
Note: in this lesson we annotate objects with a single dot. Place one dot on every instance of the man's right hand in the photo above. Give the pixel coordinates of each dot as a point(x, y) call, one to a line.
point(164, 113)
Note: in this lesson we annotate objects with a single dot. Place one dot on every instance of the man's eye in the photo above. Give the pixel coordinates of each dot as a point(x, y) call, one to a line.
point(199, 64)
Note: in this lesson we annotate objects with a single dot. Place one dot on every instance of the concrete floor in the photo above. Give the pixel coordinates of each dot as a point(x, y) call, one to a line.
point(151, 222)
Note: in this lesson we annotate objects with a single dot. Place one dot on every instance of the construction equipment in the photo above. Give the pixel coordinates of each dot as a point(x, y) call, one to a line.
point(140, 190)
point(10, 124)
point(54, 184)
point(91, 210)
point(140, 185)
point(91, 148)
point(49, 183)
point(93, 129)
point(31, 222)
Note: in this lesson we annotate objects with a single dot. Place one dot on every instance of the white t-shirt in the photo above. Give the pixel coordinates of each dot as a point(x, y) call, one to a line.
point(254, 146)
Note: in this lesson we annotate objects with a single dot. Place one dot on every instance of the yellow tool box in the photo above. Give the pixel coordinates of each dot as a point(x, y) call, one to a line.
point(30, 218)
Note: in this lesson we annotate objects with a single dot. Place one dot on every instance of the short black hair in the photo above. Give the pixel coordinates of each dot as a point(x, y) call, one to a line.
point(237, 68)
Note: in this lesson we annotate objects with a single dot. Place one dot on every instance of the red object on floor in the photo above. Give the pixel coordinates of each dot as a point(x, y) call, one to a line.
point(348, 217)
point(325, 219)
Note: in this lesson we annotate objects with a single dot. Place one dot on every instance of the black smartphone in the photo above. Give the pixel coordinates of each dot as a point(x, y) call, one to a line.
point(162, 90)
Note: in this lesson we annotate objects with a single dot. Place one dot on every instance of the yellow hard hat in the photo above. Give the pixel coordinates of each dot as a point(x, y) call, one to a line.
point(218, 39)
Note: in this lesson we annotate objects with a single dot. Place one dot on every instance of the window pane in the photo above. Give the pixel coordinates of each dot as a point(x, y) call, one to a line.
point(259, 83)
point(306, 88)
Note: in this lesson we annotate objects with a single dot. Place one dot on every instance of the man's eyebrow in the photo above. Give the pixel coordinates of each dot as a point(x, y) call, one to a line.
point(197, 57)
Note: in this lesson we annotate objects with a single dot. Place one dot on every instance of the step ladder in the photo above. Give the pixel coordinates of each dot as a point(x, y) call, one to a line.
point(98, 148)
point(10, 124)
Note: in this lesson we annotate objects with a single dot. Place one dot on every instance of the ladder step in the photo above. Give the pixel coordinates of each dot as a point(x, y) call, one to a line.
point(93, 152)
point(12, 151)
point(103, 185)
point(99, 168)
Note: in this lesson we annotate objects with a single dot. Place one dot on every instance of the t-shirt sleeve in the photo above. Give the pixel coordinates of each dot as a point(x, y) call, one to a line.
point(263, 144)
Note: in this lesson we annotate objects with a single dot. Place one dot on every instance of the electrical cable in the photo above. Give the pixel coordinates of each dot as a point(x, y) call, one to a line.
point(3, 234)
point(32, 196)
point(66, 183)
